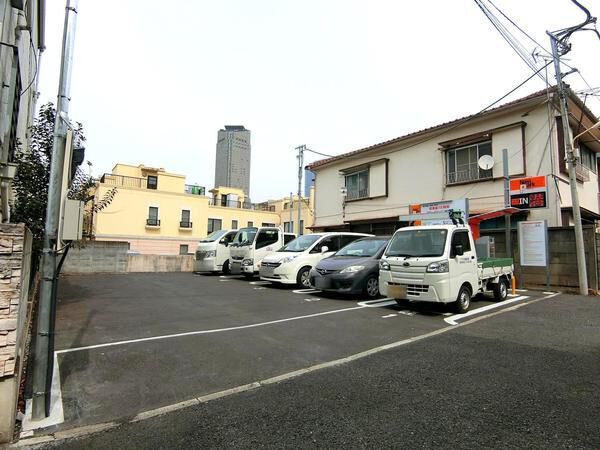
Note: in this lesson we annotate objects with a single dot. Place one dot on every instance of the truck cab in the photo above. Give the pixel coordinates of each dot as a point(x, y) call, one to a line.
point(250, 245)
point(438, 263)
point(212, 253)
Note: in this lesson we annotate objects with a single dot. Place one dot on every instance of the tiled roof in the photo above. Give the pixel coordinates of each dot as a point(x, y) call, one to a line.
point(541, 93)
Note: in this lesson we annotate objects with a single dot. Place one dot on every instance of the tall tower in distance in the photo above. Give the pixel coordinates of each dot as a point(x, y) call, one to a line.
point(232, 165)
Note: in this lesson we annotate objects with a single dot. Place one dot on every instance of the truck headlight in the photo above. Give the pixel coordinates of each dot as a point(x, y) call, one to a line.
point(248, 262)
point(210, 254)
point(384, 265)
point(352, 269)
point(438, 267)
point(288, 259)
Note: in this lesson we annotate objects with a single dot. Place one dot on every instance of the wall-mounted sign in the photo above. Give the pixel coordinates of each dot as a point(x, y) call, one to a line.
point(436, 213)
point(529, 193)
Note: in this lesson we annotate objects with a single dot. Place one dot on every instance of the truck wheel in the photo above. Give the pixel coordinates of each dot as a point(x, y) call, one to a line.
point(463, 301)
point(226, 269)
point(500, 290)
point(303, 278)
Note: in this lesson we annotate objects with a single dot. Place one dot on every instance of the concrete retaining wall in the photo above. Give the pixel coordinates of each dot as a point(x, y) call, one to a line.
point(112, 257)
point(563, 258)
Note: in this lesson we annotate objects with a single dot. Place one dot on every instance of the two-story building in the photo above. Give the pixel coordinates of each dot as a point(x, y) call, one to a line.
point(156, 212)
point(441, 163)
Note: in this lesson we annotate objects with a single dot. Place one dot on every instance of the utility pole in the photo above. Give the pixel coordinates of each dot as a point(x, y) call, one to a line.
point(508, 237)
point(43, 357)
point(291, 212)
point(300, 157)
point(571, 158)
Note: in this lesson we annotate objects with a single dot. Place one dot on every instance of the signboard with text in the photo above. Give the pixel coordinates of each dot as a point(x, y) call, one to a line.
point(436, 213)
point(533, 243)
point(529, 193)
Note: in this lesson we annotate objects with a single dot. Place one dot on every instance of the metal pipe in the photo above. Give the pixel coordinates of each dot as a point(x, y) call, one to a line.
point(41, 396)
point(300, 164)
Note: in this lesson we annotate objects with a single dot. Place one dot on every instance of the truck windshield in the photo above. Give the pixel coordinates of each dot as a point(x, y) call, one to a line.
point(300, 244)
point(362, 248)
point(214, 236)
point(245, 236)
point(415, 243)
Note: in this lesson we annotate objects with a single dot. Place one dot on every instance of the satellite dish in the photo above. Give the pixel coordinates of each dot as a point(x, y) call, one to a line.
point(486, 162)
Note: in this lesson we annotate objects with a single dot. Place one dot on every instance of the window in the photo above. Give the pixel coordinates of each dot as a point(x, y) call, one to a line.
point(152, 182)
point(460, 238)
point(183, 249)
point(287, 238)
point(357, 185)
point(332, 243)
point(345, 239)
point(462, 163)
point(228, 238)
point(214, 225)
point(288, 227)
point(185, 219)
point(234, 224)
point(588, 158)
point(153, 216)
point(266, 237)
point(301, 227)
point(14, 100)
point(265, 224)
point(250, 224)
point(417, 243)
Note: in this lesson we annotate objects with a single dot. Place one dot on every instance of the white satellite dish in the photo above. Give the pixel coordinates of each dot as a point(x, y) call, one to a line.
point(486, 162)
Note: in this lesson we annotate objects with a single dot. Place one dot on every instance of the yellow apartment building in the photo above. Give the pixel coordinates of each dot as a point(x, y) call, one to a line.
point(156, 212)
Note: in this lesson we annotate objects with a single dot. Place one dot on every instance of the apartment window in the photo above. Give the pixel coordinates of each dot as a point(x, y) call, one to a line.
point(183, 249)
point(153, 219)
point(214, 225)
point(288, 227)
point(462, 163)
point(185, 219)
point(588, 158)
point(357, 185)
point(152, 182)
point(234, 224)
point(266, 224)
point(250, 223)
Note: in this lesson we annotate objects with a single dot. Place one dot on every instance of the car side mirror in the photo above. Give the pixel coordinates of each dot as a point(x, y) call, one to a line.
point(458, 250)
point(224, 242)
point(324, 249)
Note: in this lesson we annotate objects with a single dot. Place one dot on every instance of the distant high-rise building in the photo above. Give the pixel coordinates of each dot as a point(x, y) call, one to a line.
point(232, 165)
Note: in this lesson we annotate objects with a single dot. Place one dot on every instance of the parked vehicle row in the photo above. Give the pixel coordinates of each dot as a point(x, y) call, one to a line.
point(421, 263)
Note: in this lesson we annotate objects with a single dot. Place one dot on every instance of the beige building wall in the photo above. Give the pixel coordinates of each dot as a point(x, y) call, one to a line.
point(416, 169)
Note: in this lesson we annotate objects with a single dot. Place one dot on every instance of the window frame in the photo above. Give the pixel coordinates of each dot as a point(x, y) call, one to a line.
point(153, 221)
point(153, 186)
point(187, 249)
point(453, 150)
point(211, 225)
point(364, 191)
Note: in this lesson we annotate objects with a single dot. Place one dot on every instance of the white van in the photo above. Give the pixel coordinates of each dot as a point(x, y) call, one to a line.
point(212, 253)
point(250, 245)
point(292, 263)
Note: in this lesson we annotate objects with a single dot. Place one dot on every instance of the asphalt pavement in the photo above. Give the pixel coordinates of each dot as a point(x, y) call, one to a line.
point(526, 377)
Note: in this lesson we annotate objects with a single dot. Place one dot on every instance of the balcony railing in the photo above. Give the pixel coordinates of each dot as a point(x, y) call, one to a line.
point(226, 203)
point(124, 181)
point(194, 189)
point(184, 224)
point(357, 194)
point(153, 222)
point(582, 172)
point(471, 173)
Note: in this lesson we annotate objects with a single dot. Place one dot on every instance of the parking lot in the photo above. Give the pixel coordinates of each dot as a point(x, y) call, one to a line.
point(128, 343)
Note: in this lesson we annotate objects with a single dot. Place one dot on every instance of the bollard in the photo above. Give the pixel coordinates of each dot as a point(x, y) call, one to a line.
point(514, 285)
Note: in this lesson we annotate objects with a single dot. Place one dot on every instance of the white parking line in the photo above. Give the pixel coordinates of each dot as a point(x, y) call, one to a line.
point(306, 291)
point(377, 303)
point(259, 283)
point(231, 276)
point(452, 319)
point(388, 316)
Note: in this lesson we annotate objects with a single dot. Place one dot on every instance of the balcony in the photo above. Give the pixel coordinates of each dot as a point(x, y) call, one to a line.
point(123, 181)
point(469, 174)
point(152, 223)
point(224, 202)
point(582, 173)
point(194, 189)
point(185, 225)
point(357, 194)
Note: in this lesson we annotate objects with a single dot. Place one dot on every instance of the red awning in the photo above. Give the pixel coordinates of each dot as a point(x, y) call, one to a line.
point(476, 220)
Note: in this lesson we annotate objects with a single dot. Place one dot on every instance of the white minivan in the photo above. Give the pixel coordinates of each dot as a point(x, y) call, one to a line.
point(212, 253)
point(292, 263)
point(250, 245)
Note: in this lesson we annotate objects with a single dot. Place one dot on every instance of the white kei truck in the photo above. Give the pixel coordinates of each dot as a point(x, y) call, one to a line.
point(212, 253)
point(437, 263)
point(250, 245)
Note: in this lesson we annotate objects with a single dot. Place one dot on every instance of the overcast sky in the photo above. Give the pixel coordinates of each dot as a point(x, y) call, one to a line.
point(152, 84)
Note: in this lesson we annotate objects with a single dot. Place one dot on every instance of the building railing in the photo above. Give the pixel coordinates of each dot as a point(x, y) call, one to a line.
point(471, 173)
point(226, 203)
point(153, 222)
point(356, 194)
point(184, 224)
point(124, 181)
point(582, 173)
point(194, 189)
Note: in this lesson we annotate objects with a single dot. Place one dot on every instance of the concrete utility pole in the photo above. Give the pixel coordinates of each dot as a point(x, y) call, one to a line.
point(571, 158)
point(291, 212)
point(43, 357)
point(300, 157)
point(507, 203)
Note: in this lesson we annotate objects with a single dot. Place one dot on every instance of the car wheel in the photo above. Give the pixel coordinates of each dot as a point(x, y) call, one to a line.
point(500, 290)
point(372, 286)
point(226, 269)
point(463, 301)
point(303, 278)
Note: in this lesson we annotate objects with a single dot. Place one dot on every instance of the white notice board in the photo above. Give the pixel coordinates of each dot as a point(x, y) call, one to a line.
point(533, 243)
